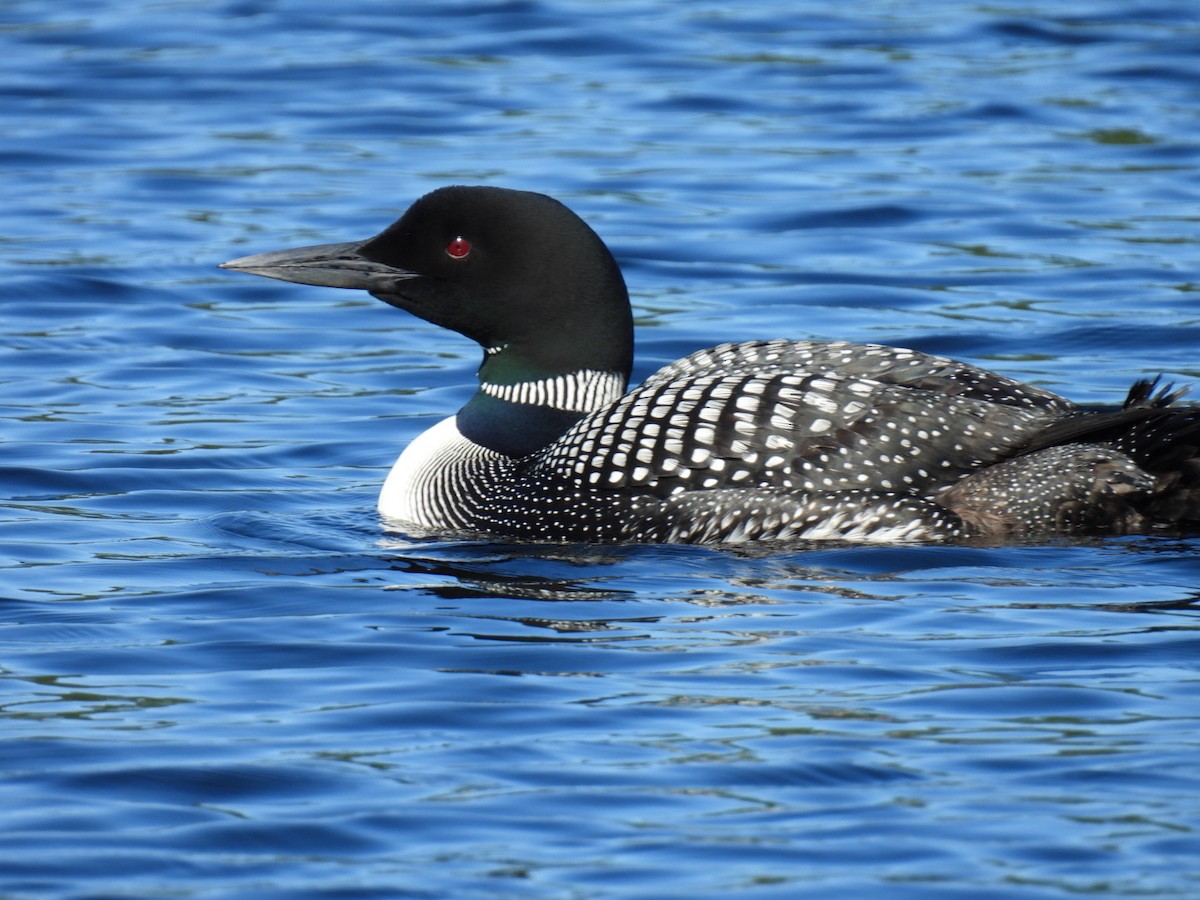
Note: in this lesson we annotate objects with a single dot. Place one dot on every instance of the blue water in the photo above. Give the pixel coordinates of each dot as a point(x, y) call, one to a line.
point(219, 677)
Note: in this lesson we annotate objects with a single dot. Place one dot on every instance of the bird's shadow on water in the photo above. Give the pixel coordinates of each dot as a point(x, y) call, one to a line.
point(774, 574)
point(1150, 573)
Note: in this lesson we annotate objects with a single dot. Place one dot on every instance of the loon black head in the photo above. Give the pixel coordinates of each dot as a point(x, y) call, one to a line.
point(518, 273)
point(508, 269)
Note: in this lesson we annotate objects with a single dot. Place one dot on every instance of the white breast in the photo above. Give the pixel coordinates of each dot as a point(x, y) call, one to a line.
point(433, 480)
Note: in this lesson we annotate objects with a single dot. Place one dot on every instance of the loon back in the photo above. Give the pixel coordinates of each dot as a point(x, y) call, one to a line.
point(747, 441)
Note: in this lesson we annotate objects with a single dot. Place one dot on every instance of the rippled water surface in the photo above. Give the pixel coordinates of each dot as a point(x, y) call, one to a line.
point(219, 676)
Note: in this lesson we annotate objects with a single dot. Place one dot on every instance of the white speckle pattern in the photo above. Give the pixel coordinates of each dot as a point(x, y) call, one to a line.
point(785, 440)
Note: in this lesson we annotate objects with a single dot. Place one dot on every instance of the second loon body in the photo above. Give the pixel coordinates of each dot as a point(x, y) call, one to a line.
point(744, 441)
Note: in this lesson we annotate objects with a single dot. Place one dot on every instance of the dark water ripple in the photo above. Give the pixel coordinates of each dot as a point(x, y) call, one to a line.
point(219, 678)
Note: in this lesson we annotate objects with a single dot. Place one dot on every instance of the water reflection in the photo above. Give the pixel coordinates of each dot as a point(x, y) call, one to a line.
point(213, 674)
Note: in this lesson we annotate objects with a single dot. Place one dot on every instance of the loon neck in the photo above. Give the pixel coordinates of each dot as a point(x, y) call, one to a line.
point(519, 409)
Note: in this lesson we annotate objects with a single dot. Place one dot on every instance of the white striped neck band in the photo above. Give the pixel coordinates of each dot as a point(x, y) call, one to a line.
point(581, 391)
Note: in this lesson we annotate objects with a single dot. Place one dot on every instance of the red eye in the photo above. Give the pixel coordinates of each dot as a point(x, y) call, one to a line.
point(459, 248)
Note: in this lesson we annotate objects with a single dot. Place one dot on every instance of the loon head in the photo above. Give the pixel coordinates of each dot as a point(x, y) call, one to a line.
point(515, 271)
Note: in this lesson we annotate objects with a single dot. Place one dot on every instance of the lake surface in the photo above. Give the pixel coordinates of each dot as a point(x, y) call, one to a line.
point(219, 677)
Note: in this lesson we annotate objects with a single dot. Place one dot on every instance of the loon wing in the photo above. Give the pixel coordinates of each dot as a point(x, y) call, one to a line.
point(888, 365)
point(802, 417)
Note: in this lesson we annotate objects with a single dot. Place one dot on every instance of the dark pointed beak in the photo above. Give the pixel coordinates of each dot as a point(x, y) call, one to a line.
point(327, 265)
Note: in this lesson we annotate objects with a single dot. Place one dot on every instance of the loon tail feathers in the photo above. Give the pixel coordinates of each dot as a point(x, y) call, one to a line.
point(1167, 444)
point(1146, 425)
point(1128, 470)
point(1145, 392)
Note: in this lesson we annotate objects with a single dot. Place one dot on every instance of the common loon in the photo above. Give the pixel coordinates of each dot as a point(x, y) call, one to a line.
point(758, 440)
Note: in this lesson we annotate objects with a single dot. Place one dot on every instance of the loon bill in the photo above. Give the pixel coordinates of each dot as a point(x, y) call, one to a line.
point(760, 440)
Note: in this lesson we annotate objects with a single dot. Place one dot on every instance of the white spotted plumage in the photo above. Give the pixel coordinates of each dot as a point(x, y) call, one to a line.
point(740, 442)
